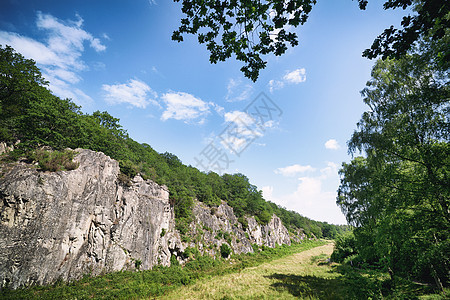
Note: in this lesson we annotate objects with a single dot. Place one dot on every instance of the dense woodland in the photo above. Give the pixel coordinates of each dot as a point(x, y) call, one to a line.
point(29, 113)
point(397, 195)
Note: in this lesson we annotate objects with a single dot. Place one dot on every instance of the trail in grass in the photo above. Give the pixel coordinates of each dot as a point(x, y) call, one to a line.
point(298, 275)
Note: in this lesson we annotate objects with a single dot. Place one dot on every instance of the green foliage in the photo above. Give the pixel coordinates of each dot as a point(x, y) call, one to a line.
point(128, 168)
point(225, 250)
point(173, 261)
point(244, 29)
point(219, 234)
point(137, 264)
point(227, 237)
point(431, 19)
point(398, 195)
point(248, 30)
point(54, 161)
point(345, 247)
point(244, 222)
point(182, 225)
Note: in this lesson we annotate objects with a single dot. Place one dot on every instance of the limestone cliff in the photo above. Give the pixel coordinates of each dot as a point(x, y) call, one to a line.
point(214, 226)
point(61, 225)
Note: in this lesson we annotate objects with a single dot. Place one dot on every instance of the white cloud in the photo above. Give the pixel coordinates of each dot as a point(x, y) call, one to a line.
point(185, 107)
point(294, 170)
point(314, 196)
point(33, 49)
point(296, 76)
point(238, 91)
point(291, 77)
point(66, 37)
point(134, 92)
point(267, 192)
point(219, 109)
point(59, 56)
point(238, 116)
point(330, 170)
point(64, 75)
point(332, 144)
point(244, 123)
point(240, 132)
point(275, 85)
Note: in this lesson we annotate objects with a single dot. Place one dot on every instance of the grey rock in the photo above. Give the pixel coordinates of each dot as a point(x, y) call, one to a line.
point(211, 224)
point(4, 148)
point(65, 224)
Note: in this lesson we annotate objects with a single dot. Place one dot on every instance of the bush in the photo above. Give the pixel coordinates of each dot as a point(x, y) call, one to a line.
point(174, 261)
point(345, 247)
point(54, 161)
point(244, 222)
point(227, 237)
point(138, 263)
point(225, 250)
point(128, 168)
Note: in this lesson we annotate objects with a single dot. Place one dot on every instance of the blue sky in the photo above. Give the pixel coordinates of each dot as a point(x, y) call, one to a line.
point(118, 56)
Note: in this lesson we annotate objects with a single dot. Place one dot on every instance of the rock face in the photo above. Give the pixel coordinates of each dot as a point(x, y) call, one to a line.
point(65, 224)
point(214, 226)
point(5, 148)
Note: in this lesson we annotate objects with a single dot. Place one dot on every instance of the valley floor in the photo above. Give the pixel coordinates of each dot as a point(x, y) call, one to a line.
point(303, 274)
point(298, 273)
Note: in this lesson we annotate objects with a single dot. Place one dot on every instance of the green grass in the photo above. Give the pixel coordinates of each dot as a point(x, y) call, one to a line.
point(156, 282)
point(300, 271)
point(303, 275)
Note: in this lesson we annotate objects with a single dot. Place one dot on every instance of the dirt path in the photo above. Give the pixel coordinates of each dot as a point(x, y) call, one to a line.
point(286, 278)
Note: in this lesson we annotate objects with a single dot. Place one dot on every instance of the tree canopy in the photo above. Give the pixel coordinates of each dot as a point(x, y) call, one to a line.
point(398, 194)
point(251, 29)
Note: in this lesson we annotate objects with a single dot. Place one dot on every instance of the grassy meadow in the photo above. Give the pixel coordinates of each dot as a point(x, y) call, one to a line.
point(300, 271)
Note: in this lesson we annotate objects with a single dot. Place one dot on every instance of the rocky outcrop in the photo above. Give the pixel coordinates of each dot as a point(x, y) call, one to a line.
point(4, 148)
point(62, 225)
point(214, 226)
point(65, 224)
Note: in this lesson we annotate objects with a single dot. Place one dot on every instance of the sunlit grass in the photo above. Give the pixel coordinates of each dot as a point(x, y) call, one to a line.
point(304, 275)
point(301, 271)
point(156, 282)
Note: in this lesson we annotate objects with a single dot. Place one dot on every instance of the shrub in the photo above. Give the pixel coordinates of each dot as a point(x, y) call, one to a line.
point(264, 217)
point(138, 263)
point(345, 247)
point(227, 237)
point(225, 250)
point(128, 168)
point(244, 223)
point(54, 161)
point(174, 261)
